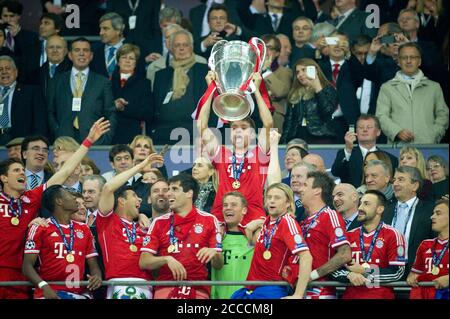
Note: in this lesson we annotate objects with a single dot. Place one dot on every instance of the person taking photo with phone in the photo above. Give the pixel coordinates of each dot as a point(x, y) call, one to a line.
point(311, 102)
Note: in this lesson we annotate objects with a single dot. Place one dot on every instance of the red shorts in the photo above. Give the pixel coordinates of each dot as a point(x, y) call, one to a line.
point(164, 293)
point(13, 292)
point(422, 293)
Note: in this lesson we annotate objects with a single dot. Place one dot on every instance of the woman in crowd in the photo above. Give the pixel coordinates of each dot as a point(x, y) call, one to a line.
point(132, 96)
point(206, 176)
point(437, 168)
point(311, 102)
point(411, 156)
point(142, 146)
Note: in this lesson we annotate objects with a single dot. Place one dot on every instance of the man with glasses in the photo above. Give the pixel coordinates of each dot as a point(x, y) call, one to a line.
point(348, 165)
point(411, 108)
point(35, 156)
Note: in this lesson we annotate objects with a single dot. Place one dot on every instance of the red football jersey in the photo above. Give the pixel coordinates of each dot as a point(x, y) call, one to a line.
point(252, 179)
point(12, 238)
point(423, 265)
point(194, 231)
point(287, 241)
point(48, 244)
point(119, 260)
point(324, 236)
point(389, 250)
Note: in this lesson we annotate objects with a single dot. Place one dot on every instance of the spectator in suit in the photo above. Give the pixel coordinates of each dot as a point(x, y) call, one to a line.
point(73, 182)
point(177, 90)
point(57, 63)
point(411, 108)
point(3, 49)
point(433, 19)
point(409, 22)
point(132, 96)
point(50, 24)
point(348, 164)
point(24, 43)
point(437, 168)
point(381, 62)
point(286, 50)
point(221, 29)
point(14, 148)
point(277, 79)
point(409, 215)
point(319, 32)
point(293, 156)
point(77, 98)
point(352, 21)
point(22, 107)
point(301, 33)
point(298, 177)
point(365, 93)
point(312, 101)
point(199, 17)
point(121, 159)
point(157, 47)
point(34, 152)
point(276, 19)
point(346, 202)
point(345, 73)
point(141, 29)
point(412, 156)
point(377, 176)
point(105, 60)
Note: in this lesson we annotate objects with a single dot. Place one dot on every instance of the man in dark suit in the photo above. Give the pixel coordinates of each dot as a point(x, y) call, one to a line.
point(24, 43)
point(348, 165)
point(302, 31)
point(409, 215)
point(352, 21)
point(175, 101)
point(345, 73)
point(346, 202)
point(111, 35)
point(34, 151)
point(57, 62)
point(221, 29)
point(77, 98)
point(141, 29)
point(22, 109)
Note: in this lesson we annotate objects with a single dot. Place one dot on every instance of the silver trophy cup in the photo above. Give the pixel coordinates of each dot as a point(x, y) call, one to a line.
point(234, 63)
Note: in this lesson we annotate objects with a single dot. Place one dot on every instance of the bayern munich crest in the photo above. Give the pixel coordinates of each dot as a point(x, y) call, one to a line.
point(146, 240)
point(379, 243)
point(218, 238)
point(80, 234)
point(339, 232)
point(400, 251)
point(198, 229)
point(298, 239)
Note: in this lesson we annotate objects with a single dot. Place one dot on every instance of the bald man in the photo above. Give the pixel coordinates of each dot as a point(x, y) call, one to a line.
point(316, 160)
point(346, 202)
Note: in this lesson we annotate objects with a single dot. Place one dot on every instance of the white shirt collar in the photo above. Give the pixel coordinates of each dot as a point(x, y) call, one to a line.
point(75, 71)
point(336, 62)
point(349, 12)
point(352, 218)
point(409, 202)
point(117, 45)
point(125, 76)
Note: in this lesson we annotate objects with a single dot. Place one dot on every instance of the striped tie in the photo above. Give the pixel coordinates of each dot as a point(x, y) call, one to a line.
point(33, 181)
point(4, 117)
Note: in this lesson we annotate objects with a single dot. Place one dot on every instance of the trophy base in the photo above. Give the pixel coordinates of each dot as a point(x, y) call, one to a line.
point(231, 106)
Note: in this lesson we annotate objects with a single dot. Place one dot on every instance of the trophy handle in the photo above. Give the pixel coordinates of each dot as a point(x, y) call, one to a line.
point(261, 56)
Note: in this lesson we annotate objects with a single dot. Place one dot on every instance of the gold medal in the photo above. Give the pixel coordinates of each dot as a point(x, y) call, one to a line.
point(435, 270)
point(15, 221)
point(133, 248)
point(70, 258)
point(171, 249)
point(236, 184)
point(267, 255)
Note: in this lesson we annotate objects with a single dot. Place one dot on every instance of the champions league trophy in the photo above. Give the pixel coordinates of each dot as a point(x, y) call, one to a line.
point(234, 63)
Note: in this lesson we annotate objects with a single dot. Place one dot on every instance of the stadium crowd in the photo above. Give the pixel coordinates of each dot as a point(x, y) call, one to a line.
point(332, 74)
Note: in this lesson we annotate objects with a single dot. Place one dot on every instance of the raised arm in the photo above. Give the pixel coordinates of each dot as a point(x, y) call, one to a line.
point(209, 140)
point(106, 202)
point(274, 170)
point(98, 129)
point(264, 114)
